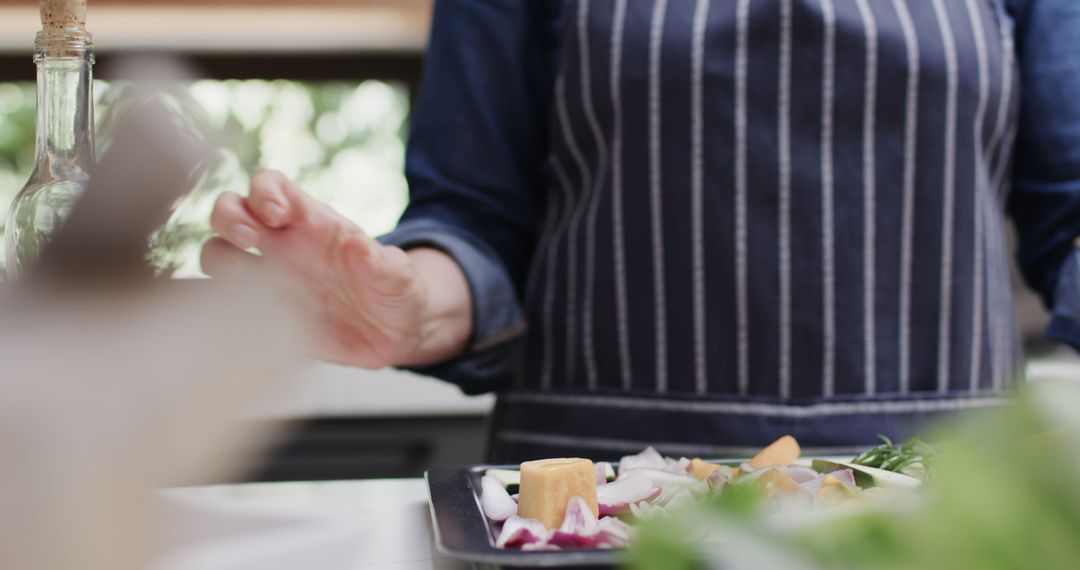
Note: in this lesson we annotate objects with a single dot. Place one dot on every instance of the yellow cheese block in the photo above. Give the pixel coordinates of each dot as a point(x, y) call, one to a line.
point(832, 491)
point(776, 482)
point(547, 485)
point(779, 453)
point(702, 470)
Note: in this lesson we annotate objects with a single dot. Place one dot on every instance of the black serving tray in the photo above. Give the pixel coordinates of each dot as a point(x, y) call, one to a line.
point(463, 532)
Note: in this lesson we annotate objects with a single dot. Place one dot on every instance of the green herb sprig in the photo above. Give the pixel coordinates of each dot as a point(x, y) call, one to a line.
point(891, 457)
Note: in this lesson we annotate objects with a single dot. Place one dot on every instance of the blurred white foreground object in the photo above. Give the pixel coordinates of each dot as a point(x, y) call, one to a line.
point(197, 533)
point(115, 384)
point(105, 398)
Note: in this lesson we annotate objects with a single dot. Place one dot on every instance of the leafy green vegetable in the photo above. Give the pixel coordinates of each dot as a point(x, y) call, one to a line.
point(910, 458)
point(1005, 496)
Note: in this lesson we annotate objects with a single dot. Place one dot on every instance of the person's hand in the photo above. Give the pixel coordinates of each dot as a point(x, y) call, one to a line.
point(373, 305)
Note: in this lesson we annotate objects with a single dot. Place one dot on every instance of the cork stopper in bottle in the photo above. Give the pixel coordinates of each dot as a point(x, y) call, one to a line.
point(61, 14)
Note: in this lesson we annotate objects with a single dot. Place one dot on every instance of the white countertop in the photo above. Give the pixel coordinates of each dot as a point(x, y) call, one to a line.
point(328, 391)
point(351, 525)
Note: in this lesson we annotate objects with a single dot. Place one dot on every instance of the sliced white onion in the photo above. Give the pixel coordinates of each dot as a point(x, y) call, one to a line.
point(646, 510)
point(847, 477)
point(679, 499)
point(799, 473)
point(601, 473)
point(617, 496)
point(580, 529)
point(636, 486)
point(496, 502)
point(661, 478)
point(648, 459)
point(615, 532)
point(812, 486)
point(680, 466)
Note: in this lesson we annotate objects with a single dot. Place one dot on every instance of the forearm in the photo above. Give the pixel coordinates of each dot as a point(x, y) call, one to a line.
point(1045, 196)
point(446, 323)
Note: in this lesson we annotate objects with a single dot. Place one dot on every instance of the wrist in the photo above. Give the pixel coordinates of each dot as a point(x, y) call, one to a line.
point(445, 322)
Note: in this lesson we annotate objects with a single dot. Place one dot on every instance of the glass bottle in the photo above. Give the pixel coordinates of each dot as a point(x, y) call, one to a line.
point(64, 147)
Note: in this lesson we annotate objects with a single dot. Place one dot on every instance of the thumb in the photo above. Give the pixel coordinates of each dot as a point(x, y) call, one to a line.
point(386, 268)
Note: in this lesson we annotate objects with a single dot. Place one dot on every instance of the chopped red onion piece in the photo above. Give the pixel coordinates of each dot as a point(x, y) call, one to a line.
point(519, 532)
point(579, 517)
point(720, 477)
point(582, 530)
point(564, 539)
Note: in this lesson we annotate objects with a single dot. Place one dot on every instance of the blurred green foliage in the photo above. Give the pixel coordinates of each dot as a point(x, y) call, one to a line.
point(1006, 497)
point(342, 142)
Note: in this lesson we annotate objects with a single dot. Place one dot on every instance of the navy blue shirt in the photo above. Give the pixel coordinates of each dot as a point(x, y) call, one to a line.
point(494, 162)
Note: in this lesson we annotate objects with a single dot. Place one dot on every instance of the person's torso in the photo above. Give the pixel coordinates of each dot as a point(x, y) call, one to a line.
point(775, 202)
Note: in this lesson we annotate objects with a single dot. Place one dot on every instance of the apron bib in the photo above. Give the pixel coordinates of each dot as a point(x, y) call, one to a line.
point(768, 217)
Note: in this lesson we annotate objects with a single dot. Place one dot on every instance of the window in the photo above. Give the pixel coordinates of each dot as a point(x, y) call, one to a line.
point(341, 141)
point(318, 89)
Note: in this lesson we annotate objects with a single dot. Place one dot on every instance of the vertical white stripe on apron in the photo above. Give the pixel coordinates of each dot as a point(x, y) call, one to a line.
point(549, 289)
point(656, 36)
point(1005, 104)
point(828, 91)
point(617, 193)
point(546, 236)
point(588, 341)
point(998, 301)
point(697, 175)
point(1007, 132)
point(980, 187)
point(1005, 358)
point(1009, 353)
point(571, 249)
point(742, 42)
point(948, 196)
point(784, 142)
point(911, 125)
point(1005, 161)
point(994, 148)
point(869, 198)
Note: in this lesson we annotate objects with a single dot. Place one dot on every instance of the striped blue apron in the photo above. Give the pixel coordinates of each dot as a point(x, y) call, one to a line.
point(768, 217)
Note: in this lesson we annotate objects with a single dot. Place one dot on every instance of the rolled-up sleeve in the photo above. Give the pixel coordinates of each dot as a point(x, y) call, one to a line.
point(1045, 196)
point(475, 165)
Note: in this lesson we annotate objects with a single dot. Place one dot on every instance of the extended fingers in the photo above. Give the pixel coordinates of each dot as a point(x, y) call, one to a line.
point(233, 222)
